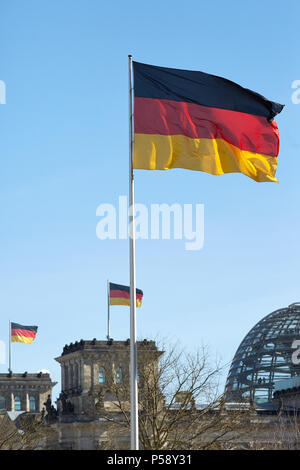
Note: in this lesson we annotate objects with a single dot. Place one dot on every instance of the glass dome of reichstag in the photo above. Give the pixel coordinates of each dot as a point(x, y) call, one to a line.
point(265, 356)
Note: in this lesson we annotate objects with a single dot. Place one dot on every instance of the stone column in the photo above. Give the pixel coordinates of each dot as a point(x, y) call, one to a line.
point(87, 376)
point(92, 375)
point(66, 376)
point(62, 365)
point(78, 373)
point(12, 402)
point(95, 374)
point(27, 402)
point(75, 374)
point(69, 375)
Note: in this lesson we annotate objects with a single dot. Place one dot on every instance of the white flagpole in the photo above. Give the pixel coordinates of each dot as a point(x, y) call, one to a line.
point(134, 431)
point(108, 312)
point(9, 370)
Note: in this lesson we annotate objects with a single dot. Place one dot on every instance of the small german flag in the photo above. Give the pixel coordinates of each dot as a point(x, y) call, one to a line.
point(120, 295)
point(23, 334)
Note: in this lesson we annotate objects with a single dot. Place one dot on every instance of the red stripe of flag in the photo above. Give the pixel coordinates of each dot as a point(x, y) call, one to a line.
point(120, 294)
point(27, 333)
point(167, 117)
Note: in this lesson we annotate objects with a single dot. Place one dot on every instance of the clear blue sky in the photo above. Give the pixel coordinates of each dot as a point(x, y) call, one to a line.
point(64, 151)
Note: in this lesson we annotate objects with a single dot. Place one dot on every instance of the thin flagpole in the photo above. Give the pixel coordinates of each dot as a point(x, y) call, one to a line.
point(9, 333)
point(134, 431)
point(108, 312)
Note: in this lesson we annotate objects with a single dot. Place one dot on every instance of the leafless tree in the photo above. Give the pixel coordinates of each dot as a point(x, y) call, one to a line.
point(280, 432)
point(179, 404)
point(28, 432)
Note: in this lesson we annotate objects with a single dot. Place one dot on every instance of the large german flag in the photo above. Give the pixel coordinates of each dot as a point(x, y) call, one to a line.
point(120, 295)
point(197, 121)
point(23, 334)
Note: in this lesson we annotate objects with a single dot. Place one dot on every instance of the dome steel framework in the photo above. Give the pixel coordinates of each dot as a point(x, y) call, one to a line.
point(265, 356)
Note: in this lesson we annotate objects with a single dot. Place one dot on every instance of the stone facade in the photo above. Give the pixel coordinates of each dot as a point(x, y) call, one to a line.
point(87, 370)
point(25, 392)
point(287, 394)
point(90, 371)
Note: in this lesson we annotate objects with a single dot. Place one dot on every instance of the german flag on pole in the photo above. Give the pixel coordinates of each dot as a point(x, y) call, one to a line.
point(23, 334)
point(120, 295)
point(197, 121)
